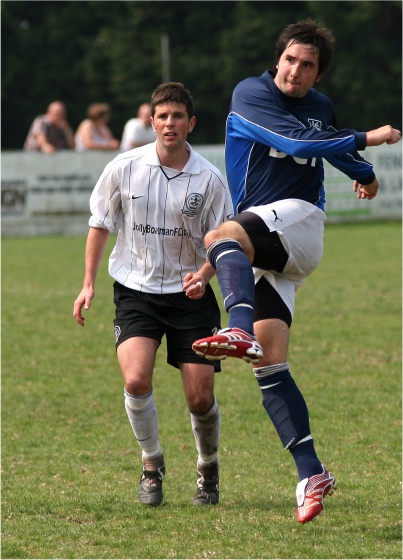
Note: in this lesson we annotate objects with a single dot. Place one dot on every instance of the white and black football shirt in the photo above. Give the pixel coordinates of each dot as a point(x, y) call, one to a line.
point(160, 215)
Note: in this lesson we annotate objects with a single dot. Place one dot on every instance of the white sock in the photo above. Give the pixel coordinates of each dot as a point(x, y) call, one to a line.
point(142, 413)
point(206, 431)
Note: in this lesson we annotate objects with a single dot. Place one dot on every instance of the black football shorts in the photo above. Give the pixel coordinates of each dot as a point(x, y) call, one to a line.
point(181, 319)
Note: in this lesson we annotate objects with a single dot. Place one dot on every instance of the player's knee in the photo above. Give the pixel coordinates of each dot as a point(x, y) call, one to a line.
point(200, 404)
point(212, 236)
point(226, 230)
point(137, 387)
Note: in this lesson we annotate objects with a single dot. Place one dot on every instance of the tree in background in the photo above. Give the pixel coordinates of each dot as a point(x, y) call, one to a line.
point(85, 52)
point(365, 78)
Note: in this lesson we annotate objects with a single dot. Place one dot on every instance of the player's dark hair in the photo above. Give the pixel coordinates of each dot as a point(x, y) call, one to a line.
point(307, 32)
point(172, 92)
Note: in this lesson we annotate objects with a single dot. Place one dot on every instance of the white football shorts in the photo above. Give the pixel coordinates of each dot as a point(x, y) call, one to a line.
point(300, 226)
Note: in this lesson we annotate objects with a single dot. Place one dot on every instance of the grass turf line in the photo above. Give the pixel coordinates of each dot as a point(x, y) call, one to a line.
point(70, 463)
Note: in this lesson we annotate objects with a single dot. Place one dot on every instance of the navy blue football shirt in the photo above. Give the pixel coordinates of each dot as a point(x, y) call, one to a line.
point(275, 144)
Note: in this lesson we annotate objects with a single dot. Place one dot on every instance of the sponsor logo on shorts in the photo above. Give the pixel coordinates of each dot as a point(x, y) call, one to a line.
point(117, 332)
point(276, 217)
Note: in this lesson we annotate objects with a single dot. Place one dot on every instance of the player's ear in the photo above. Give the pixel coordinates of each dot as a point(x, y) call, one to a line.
point(318, 78)
point(192, 123)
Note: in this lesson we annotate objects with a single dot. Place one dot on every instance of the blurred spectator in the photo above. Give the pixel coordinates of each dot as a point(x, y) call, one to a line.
point(51, 132)
point(93, 132)
point(139, 131)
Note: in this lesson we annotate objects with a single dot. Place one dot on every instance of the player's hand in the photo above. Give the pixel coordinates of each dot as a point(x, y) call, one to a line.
point(384, 135)
point(84, 299)
point(366, 191)
point(193, 285)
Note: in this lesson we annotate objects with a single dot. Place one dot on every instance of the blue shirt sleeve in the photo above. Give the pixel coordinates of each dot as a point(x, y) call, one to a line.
point(275, 145)
point(262, 116)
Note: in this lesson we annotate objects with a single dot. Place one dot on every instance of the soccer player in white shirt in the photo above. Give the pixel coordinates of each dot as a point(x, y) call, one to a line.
point(162, 199)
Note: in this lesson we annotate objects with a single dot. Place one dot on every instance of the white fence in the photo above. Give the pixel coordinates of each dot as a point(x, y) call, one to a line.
point(45, 194)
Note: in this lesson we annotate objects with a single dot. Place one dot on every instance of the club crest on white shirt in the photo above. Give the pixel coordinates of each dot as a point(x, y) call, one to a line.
point(193, 204)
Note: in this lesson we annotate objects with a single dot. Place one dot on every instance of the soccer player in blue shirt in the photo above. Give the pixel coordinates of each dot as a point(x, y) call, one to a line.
point(278, 130)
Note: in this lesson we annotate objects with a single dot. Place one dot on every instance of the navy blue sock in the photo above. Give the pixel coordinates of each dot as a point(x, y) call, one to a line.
point(236, 280)
point(287, 409)
point(306, 460)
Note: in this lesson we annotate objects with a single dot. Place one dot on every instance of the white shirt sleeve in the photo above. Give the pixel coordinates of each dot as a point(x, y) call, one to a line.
point(105, 200)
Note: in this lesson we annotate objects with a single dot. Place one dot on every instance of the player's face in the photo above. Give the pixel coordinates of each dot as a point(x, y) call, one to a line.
point(172, 125)
point(297, 70)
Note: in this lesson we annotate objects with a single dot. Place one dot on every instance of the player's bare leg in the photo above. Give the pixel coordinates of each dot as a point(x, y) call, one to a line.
point(198, 384)
point(136, 359)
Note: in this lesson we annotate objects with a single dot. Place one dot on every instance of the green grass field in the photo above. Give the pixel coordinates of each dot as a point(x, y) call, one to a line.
point(70, 464)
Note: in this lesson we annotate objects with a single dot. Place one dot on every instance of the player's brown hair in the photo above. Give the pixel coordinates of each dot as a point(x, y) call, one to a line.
point(307, 32)
point(172, 92)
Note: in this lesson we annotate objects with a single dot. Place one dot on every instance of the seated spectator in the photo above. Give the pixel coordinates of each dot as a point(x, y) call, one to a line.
point(93, 133)
point(50, 132)
point(139, 131)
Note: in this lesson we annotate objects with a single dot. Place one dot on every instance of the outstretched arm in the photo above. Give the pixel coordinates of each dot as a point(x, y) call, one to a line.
point(366, 191)
point(94, 250)
point(384, 135)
